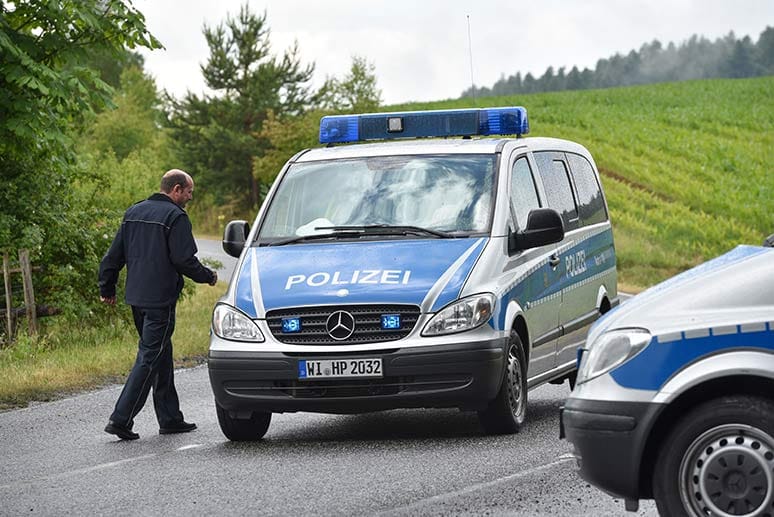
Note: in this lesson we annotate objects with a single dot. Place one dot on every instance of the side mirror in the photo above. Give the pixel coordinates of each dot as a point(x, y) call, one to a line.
point(544, 226)
point(234, 237)
point(769, 242)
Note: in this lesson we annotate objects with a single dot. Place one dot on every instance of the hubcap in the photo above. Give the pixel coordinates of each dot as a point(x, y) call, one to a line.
point(515, 392)
point(729, 470)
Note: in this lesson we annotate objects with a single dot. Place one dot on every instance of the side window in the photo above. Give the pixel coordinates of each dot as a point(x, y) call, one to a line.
point(523, 193)
point(592, 205)
point(556, 182)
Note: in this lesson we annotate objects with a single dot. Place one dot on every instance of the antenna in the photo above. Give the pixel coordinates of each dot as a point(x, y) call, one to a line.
point(470, 49)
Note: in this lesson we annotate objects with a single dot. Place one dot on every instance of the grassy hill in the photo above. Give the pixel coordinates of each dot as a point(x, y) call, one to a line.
point(686, 166)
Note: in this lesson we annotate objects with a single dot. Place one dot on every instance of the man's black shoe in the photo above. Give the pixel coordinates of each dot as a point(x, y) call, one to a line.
point(121, 431)
point(180, 427)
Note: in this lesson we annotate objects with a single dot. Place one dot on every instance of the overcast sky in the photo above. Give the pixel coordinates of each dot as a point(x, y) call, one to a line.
point(420, 47)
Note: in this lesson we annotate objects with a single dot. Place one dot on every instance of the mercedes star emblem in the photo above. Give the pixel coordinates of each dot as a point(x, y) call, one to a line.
point(340, 325)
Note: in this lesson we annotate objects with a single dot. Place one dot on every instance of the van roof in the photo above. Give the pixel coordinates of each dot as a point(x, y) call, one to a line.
point(437, 146)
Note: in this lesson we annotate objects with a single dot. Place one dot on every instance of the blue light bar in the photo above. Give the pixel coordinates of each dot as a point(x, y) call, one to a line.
point(390, 321)
point(336, 129)
point(291, 325)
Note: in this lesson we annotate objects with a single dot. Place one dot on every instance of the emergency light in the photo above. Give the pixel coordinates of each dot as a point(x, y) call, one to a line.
point(337, 129)
point(390, 321)
point(291, 325)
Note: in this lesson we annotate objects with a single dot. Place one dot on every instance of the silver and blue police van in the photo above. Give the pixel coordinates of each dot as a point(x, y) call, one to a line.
point(675, 393)
point(445, 265)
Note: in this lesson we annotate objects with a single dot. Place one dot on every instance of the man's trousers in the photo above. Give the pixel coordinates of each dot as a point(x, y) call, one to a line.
point(152, 368)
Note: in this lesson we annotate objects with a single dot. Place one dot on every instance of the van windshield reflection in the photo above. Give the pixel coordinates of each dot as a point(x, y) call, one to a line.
point(440, 196)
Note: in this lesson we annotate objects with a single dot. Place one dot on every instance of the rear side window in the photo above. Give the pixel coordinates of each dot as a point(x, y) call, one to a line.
point(523, 194)
point(590, 201)
point(556, 182)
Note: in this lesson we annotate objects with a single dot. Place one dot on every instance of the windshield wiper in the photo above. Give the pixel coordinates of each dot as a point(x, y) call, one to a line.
point(388, 229)
point(316, 236)
point(355, 232)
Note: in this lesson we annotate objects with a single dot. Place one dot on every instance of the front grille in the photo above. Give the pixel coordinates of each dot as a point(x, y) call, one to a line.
point(368, 324)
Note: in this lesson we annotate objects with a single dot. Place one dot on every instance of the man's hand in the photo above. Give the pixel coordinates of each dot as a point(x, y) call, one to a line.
point(108, 300)
point(214, 277)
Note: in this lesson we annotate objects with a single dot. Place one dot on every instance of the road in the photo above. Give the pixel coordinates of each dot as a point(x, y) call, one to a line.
point(56, 460)
point(213, 250)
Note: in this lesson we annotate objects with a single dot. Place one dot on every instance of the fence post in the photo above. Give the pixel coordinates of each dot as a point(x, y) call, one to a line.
point(8, 299)
point(29, 294)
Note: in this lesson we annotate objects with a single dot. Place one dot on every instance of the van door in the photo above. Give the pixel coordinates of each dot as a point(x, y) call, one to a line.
point(541, 307)
point(558, 188)
point(585, 262)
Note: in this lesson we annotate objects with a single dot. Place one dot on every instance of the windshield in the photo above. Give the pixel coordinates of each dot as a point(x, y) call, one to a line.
point(451, 194)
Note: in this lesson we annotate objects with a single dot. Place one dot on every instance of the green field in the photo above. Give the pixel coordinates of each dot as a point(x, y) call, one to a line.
point(685, 166)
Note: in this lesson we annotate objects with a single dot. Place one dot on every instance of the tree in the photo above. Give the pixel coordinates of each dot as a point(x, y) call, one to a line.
point(134, 124)
point(49, 91)
point(574, 80)
point(44, 82)
point(219, 135)
point(356, 92)
point(696, 58)
point(741, 62)
point(765, 50)
point(287, 137)
point(111, 65)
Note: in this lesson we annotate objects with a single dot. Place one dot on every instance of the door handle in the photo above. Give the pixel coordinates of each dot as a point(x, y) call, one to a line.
point(554, 260)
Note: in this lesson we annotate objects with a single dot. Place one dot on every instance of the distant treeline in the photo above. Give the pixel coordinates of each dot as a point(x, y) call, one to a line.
point(696, 58)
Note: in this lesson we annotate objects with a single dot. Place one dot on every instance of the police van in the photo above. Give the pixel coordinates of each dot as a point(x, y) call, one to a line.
point(415, 271)
point(675, 392)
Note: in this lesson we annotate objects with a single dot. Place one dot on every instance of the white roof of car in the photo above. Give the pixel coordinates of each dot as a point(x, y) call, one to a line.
point(452, 145)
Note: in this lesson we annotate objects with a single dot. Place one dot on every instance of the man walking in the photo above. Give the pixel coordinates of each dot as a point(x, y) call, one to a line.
point(156, 244)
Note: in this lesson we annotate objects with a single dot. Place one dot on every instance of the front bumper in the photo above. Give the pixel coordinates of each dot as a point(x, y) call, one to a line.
point(465, 375)
point(609, 438)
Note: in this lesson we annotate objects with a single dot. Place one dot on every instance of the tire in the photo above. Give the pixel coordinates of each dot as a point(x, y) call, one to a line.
point(506, 413)
point(243, 429)
point(719, 460)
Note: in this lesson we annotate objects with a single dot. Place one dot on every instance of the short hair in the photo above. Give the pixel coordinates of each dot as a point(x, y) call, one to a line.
point(172, 178)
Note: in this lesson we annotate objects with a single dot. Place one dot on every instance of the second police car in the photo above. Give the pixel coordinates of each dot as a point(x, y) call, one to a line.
point(675, 395)
point(414, 273)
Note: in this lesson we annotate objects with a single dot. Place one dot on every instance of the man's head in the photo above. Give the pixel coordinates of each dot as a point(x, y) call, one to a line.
point(178, 185)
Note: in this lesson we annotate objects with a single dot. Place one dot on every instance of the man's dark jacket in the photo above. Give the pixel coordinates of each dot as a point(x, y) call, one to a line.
point(156, 244)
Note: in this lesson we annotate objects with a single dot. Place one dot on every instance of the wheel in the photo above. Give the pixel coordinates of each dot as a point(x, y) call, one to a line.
point(505, 414)
point(719, 460)
point(243, 429)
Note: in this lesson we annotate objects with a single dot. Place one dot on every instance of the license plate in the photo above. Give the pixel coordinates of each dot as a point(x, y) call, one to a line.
point(332, 368)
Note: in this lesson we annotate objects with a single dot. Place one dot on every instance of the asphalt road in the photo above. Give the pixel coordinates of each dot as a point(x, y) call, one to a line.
point(213, 250)
point(56, 460)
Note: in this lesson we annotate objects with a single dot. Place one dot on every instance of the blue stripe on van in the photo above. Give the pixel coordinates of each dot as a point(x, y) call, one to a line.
point(453, 288)
point(651, 368)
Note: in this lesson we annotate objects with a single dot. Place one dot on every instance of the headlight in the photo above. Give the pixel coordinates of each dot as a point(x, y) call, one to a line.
point(461, 315)
point(229, 323)
point(610, 350)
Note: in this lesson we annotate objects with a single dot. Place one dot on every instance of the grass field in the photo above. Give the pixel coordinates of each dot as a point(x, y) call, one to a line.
point(685, 166)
